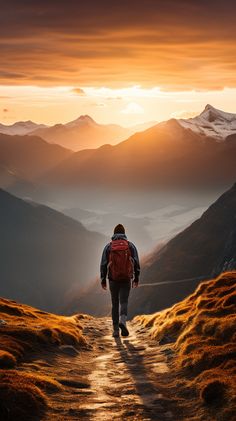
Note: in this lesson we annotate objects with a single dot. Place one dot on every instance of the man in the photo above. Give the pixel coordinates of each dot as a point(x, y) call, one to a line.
point(120, 263)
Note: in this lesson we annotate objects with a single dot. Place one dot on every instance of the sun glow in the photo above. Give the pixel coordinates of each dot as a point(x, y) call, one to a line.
point(125, 106)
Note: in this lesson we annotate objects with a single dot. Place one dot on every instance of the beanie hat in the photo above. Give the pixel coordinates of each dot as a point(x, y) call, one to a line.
point(119, 229)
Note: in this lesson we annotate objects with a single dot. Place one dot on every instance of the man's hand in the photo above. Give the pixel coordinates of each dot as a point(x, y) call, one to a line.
point(135, 283)
point(104, 285)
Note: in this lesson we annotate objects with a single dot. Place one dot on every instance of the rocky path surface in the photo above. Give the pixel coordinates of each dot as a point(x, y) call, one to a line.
point(117, 379)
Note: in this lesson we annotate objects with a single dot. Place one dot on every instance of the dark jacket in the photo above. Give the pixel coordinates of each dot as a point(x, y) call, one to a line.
point(105, 258)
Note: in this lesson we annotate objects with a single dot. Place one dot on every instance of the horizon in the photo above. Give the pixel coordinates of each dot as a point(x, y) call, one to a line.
point(184, 115)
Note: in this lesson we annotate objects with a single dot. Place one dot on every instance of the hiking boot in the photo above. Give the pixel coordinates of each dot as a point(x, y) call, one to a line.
point(116, 332)
point(122, 325)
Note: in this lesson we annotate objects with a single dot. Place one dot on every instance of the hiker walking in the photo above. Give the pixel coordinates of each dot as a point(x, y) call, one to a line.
point(120, 263)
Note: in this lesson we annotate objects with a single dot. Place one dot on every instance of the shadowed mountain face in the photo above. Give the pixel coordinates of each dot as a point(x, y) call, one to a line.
point(12, 181)
point(29, 156)
point(44, 254)
point(204, 249)
point(168, 155)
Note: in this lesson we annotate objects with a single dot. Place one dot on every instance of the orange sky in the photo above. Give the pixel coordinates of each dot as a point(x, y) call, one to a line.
point(175, 46)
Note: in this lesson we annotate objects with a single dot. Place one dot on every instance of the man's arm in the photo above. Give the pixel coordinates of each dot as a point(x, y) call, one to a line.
point(103, 265)
point(134, 254)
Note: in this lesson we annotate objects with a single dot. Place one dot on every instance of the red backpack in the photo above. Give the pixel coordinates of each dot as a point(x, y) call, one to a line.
point(120, 265)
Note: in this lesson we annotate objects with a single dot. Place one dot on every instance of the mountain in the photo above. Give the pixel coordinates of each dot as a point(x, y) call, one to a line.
point(78, 134)
point(167, 155)
point(20, 127)
point(27, 157)
point(83, 133)
point(212, 122)
point(204, 249)
point(44, 254)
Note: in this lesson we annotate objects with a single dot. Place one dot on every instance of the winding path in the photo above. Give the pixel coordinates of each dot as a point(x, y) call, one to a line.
point(117, 379)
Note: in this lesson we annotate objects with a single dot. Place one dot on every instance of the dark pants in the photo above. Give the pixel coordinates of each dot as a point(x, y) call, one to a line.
point(119, 297)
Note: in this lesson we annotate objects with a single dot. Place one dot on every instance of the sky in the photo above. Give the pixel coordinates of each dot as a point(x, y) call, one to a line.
point(124, 62)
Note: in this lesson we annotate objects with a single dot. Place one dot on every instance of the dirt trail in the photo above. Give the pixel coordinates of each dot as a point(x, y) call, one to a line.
point(118, 379)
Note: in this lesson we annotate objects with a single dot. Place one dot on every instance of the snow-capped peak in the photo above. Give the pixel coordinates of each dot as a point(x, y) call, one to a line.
point(210, 113)
point(212, 123)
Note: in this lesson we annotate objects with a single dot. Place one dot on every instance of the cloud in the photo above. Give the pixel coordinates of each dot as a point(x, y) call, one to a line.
point(182, 45)
point(6, 110)
point(78, 91)
point(133, 108)
point(98, 104)
point(185, 114)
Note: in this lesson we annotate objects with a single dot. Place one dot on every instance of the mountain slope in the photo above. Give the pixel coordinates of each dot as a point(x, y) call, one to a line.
point(29, 156)
point(11, 181)
point(83, 133)
point(166, 155)
point(44, 254)
point(204, 249)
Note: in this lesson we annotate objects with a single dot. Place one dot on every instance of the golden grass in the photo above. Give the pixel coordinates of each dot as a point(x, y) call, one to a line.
point(7, 359)
point(202, 330)
point(20, 398)
point(26, 331)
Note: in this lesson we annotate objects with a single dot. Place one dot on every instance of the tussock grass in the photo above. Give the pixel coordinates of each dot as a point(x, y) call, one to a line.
point(21, 377)
point(7, 359)
point(26, 331)
point(202, 329)
point(20, 398)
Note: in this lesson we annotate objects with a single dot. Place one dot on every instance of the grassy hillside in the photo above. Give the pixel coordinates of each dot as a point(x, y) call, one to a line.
point(201, 330)
point(24, 332)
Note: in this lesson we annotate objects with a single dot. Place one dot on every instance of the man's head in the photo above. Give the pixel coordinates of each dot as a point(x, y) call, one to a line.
point(119, 229)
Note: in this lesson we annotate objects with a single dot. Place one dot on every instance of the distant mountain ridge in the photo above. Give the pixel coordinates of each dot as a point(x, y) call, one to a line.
point(167, 155)
point(20, 128)
point(175, 154)
point(82, 133)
